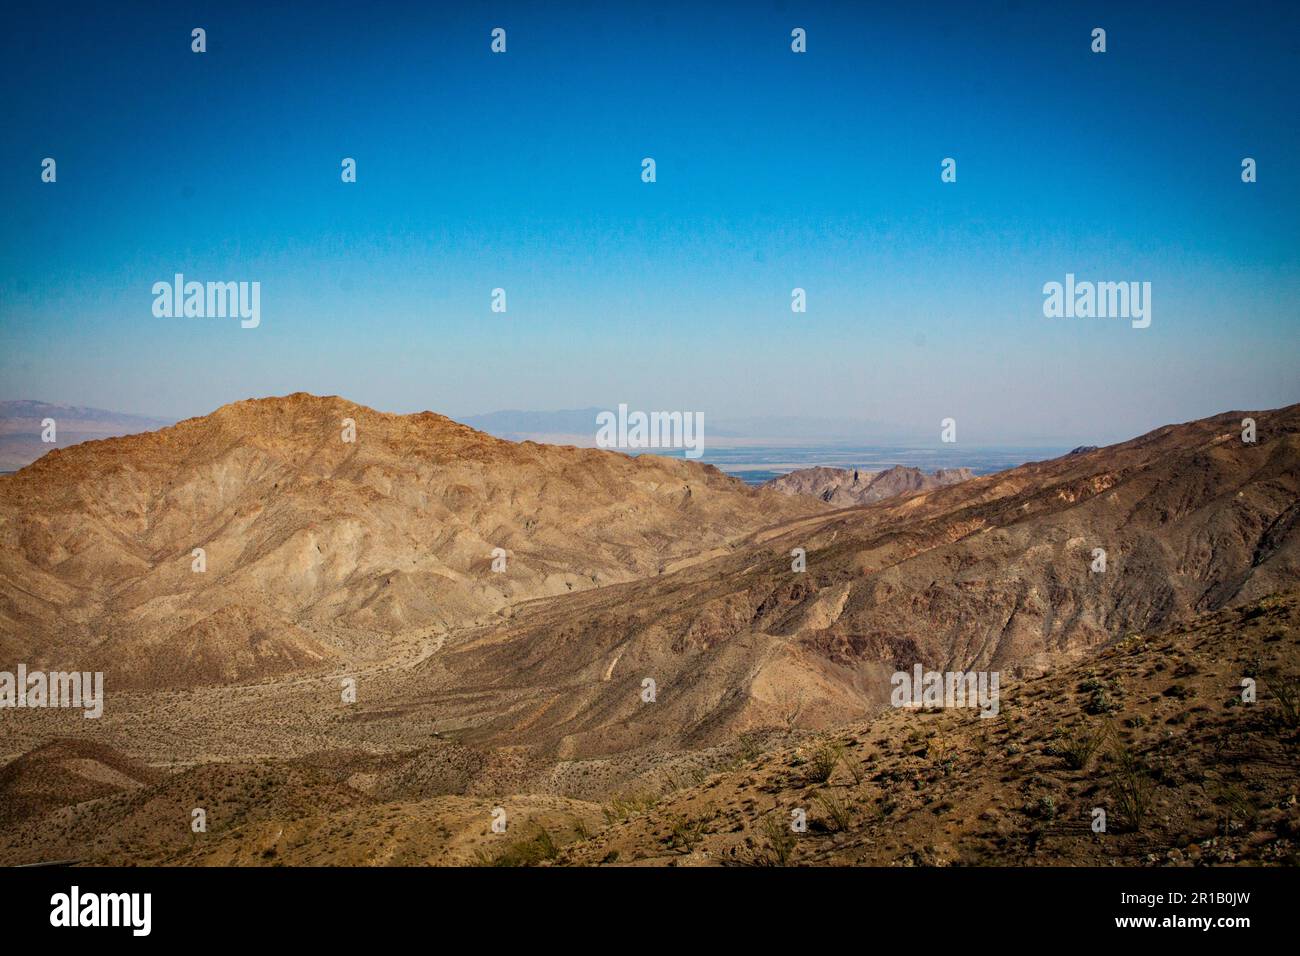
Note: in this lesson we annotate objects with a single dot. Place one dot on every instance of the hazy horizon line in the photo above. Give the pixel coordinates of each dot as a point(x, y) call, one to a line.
point(733, 432)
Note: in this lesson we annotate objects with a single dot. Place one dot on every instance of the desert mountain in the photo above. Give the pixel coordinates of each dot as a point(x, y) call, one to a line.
point(657, 623)
point(375, 556)
point(319, 549)
point(849, 486)
point(997, 573)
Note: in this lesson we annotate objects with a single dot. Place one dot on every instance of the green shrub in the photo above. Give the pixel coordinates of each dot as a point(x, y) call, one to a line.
point(1286, 691)
point(837, 811)
point(685, 833)
point(528, 851)
point(824, 759)
point(779, 840)
point(622, 808)
point(1077, 748)
point(1130, 788)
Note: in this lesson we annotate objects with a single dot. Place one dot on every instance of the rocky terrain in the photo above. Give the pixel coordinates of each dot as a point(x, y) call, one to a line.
point(316, 549)
point(1152, 731)
point(994, 573)
point(664, 656)
point(843, 487)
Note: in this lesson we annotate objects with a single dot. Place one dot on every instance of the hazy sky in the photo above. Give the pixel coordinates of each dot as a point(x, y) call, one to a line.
point(775, 170)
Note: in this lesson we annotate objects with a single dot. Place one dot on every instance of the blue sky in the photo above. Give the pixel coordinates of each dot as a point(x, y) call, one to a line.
point(775, 170)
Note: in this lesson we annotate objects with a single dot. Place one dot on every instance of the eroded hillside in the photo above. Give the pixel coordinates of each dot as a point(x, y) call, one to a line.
point(316, 548)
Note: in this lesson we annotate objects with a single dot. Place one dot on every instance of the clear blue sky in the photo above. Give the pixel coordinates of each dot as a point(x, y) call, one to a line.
point(775, 170)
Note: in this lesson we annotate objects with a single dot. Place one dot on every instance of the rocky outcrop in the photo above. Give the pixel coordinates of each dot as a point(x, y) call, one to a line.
point(844, 487)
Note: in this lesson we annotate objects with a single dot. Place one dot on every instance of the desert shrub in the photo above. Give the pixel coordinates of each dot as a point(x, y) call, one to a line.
point(1240, 811)
point(855, 770)
point(1286, 692)
point(1045, 808)
point(1077, 748)
point(778, 839)
point(1102, 695)
point(941, 752)
point(750, 746)
point(620, 809)
point(684, 779)
point(1130, 787)
point(1100, 703)
point(529, 851)
point(685, 833)
point(825, 757)
point(836, 810)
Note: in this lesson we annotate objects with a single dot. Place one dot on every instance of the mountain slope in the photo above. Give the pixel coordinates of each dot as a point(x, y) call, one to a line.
point(849, 486)
point(1184, 770)
point(64, 773)
point(1152, 730)
point(995, 573)
point(316, 546)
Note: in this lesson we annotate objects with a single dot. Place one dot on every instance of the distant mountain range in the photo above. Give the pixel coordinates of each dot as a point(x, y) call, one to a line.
point(21, 428)
point(577, 425)
point(22, 424)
